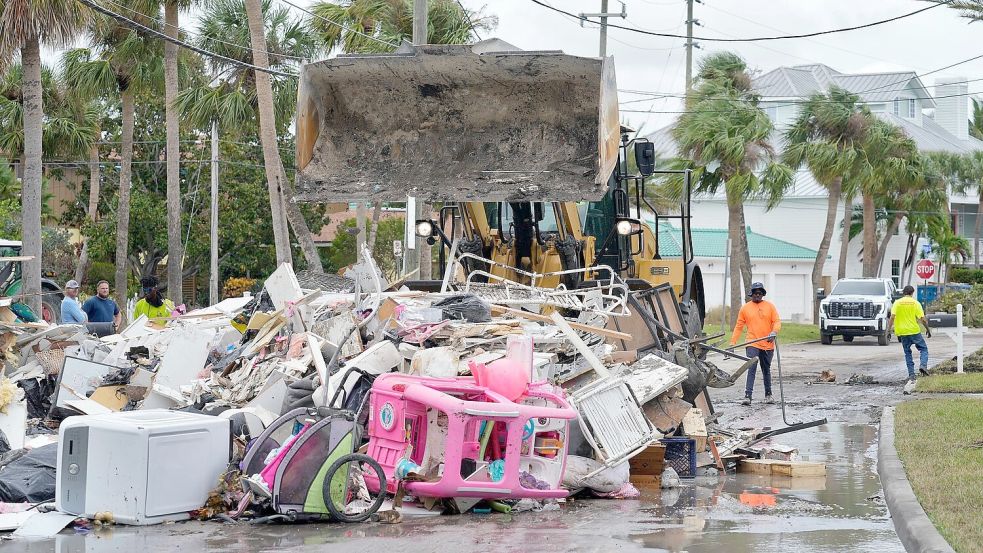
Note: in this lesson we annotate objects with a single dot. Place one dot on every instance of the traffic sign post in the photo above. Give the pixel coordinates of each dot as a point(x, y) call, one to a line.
point(925, 269)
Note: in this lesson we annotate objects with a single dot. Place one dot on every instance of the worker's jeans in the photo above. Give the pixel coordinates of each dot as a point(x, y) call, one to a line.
point(919, 342)
point(764, 361)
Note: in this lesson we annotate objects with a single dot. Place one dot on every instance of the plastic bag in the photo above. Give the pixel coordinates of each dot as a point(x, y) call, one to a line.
point(465, 306)
point(608, 480)
point(30, 478)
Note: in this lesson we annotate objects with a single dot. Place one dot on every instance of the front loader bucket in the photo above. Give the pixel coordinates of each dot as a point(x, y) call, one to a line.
point(456, 123)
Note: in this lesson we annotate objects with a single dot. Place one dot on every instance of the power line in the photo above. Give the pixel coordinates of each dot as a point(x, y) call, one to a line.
point(335, 23)
point(139, 26)
point(467, 17)
point(158, 21)
point(753, 39)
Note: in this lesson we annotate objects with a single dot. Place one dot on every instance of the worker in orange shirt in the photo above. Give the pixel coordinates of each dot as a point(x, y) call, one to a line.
point(762, 321)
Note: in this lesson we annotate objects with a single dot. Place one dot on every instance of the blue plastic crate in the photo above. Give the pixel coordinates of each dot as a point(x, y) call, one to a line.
point(681, 455)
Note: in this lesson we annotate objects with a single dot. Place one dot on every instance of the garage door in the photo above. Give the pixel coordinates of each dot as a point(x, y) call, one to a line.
point(789, 296)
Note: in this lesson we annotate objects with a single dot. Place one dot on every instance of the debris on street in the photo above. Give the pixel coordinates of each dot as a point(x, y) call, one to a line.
point(343, 398)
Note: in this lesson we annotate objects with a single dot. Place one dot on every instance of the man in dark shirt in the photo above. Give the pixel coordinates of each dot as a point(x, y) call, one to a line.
point(101, 308)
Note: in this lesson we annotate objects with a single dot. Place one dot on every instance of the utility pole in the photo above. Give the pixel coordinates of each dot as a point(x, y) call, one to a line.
point(414, 210)
point(604, 15)
point(213, 261)
point(690, 44)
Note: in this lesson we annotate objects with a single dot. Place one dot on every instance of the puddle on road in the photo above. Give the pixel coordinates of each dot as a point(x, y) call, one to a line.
point(842, 512)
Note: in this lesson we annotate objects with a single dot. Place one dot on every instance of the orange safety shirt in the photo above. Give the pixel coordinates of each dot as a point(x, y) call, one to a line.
point(761, 319)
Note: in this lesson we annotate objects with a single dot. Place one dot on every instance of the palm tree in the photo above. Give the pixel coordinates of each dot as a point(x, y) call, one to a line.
point(826, 137)
point(124, 63)
point(24, 26)
point(230, 99)
point(969, 169)
point(380, 25)
point(391, 21)
point(947, 246)
point(724, 135)
point(976, 125)
point(888, 159)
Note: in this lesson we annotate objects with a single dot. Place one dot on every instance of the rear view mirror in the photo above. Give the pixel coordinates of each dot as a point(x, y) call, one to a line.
point(645, 157)
point(895, 296)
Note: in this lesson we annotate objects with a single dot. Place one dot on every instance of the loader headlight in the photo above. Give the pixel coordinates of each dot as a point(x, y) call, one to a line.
point(627, 227)
point(424, 228)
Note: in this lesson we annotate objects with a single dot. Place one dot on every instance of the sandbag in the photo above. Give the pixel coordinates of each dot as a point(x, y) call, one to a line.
point(608, 480)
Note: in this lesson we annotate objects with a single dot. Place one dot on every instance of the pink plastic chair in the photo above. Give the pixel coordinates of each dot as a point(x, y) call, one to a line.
point(398, 421)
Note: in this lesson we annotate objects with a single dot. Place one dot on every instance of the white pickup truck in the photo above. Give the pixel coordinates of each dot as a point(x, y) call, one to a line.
point(857, 307)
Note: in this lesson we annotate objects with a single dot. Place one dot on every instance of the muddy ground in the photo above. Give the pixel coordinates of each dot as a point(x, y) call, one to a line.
point(842, 512)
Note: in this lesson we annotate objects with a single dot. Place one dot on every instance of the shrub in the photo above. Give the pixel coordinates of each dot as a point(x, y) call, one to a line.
point(972, 301)
point(966, 275)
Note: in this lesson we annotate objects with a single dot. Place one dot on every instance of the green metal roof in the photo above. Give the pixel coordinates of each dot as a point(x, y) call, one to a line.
point(709, 242)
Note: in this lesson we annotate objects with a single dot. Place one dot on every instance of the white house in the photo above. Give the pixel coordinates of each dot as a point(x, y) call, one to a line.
point(783, 267)
point(899, 98)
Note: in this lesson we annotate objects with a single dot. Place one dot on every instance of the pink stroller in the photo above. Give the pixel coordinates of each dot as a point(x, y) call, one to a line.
point(466, 440)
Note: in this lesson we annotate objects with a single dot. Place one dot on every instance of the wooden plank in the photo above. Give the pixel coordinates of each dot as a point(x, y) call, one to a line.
point(581, 346)
point(798, 469)
point(795, 469)
point(755, 466)
point(502, 310)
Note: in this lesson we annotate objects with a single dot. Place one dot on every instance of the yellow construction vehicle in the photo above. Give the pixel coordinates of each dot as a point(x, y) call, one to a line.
point(523, 150)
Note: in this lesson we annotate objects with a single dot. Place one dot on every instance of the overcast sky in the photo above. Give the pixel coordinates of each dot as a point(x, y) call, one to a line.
point(921, 43)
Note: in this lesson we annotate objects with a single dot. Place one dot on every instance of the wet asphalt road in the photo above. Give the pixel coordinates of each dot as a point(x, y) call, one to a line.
point(842, 512)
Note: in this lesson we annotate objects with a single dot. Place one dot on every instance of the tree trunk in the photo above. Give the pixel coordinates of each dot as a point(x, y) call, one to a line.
point(976, 231)
point(299, 225)
point(92, 212)
point(267, 131)
point(31, 177)
point(845, 237)
point(123, 209)
point(817, 269)
point(870, 235)
point(882, 249)
point(374, 227)
point(175, 248)
point(745, 251)
point(913, 245)
point(736, 259)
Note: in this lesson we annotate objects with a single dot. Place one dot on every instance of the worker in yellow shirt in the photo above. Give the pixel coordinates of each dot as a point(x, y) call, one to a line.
point(153, 304)
point(906, 313)
point(762, 321)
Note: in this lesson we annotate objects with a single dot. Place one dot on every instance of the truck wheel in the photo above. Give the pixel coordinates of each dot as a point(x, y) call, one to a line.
point(848, 339)
point(825, 339)
point(50, 310)
point(883, 339)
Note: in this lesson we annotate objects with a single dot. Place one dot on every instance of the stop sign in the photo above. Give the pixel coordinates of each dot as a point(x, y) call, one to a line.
point(925, 269)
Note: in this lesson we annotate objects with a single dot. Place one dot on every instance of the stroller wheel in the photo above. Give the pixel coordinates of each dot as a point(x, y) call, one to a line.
point(345, 493)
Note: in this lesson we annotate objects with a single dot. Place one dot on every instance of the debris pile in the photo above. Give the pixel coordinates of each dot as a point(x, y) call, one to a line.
point(346, 395)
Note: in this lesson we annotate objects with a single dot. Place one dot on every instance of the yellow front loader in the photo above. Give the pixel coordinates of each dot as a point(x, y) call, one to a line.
point(522, 150)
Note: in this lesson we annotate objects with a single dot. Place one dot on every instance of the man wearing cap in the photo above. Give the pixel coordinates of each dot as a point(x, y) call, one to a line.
point(71, 309)
point(906, 313)
point(762, 321)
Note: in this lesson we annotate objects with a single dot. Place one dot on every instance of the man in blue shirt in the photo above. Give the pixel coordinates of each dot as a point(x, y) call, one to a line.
point(101, 308)
point(71, 310)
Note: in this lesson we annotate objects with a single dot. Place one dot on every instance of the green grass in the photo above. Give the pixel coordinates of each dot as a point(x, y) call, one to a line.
point(956, 383)
point(940, 442)
point(791, 333)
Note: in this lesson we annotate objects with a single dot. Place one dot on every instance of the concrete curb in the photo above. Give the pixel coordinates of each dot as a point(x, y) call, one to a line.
point(917, 533)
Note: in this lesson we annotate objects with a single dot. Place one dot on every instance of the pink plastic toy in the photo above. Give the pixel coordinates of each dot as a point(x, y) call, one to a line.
point(407, 419)
point(506, 376)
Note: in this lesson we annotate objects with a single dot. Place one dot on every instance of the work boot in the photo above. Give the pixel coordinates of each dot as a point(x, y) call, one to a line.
point(746, 401)
point(923, 370)
point(769, 399)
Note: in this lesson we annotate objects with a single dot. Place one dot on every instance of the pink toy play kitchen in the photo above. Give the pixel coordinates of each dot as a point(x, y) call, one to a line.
point(468, 440)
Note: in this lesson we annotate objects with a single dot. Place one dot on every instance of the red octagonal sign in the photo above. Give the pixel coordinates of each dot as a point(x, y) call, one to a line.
point(925, 269)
